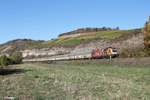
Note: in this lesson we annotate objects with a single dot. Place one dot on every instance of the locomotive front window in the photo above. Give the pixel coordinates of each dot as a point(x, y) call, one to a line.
point(114, 50)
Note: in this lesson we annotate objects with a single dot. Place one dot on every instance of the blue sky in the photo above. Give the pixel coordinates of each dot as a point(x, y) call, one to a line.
point(45, 19)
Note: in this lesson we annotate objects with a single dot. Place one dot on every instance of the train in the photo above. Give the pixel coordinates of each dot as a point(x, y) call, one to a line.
point(104, 53)
point(96, 53)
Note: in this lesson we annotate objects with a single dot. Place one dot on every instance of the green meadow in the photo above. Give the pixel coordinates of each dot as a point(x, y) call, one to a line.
point(76, 81)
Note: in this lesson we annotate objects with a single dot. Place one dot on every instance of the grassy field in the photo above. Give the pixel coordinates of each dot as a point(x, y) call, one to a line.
point(76, 81)
point(86, 38)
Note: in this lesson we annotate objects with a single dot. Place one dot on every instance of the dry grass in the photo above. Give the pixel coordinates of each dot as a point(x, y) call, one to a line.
point(77, 81)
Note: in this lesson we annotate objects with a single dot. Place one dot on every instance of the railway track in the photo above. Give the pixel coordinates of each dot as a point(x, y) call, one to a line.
point(123, 61)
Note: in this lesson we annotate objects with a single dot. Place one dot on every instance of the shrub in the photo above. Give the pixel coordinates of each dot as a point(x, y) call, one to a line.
point(147, 52)
point(147, 41)
point(125, 53)
point(16, 58)
point(4, 61)
point(136, 52)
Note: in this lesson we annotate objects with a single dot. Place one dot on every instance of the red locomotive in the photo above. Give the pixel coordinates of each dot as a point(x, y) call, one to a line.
point(104, 53)
point(97, 53)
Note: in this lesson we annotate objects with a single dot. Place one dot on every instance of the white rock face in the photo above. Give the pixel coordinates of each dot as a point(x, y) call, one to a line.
point(132, 42)
point(45, 52)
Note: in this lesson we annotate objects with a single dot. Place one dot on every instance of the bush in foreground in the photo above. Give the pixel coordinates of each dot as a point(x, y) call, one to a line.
point(4, 61)
point(15, 58)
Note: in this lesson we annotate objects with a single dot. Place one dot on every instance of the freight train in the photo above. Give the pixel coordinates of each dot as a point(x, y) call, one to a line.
point(97, 53)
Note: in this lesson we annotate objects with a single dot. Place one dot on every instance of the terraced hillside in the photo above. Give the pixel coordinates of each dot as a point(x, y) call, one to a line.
point(82, 44)
point(105, 35)
point(122, 40)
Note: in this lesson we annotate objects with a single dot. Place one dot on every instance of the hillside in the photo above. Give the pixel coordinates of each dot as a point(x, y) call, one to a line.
point(87, 30)
point(20, 44)
point(105, 35)
point(81, 44)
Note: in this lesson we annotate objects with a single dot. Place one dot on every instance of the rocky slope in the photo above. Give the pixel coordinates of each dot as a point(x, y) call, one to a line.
point(18, 45)
point(82, 45)
point(132, 41)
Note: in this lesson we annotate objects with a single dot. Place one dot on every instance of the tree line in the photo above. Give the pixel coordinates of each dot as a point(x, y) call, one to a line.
point(88, 29)
point(146, 31)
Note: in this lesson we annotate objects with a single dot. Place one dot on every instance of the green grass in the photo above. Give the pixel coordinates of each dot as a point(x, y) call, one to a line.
point(77, 81)
point(111, 34)
point(37, 45)
point(87, 38)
